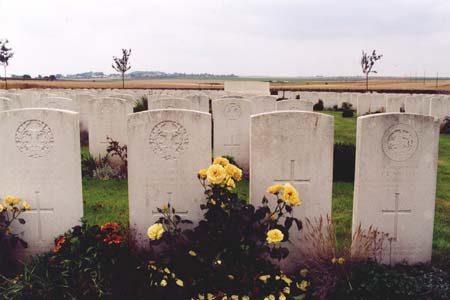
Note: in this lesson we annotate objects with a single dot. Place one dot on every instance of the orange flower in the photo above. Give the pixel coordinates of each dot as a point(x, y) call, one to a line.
point(113, 239)
point(112, 226)
point(58, 244)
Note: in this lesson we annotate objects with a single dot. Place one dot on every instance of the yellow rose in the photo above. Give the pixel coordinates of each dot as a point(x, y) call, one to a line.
point(163, 283)
point(179, 282)
point(25, 205)
point(303, 285)
point(221, 161)
point(290, 195)
point(230, 183)
point(233, 171)
point(274, 189)
point(216, 174)
point(202, 174)
point(341, 260)
point(11, 200)
point(155, 231)
point(274, 236)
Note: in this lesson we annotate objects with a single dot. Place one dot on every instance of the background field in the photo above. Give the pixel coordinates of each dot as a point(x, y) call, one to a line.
point(276, 83)
point(107, 200)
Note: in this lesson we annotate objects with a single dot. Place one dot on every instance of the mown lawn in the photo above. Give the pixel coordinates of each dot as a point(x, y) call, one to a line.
point(107, 200)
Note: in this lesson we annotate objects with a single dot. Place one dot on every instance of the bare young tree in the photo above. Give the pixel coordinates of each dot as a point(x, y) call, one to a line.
point(5, 54)
point(367, 62)
point(121, 64)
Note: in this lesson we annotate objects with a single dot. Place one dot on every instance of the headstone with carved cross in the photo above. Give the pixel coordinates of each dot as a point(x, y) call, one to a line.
point(40, 158)
point(166, 150)
point(395, 182)
point(231, 129)
point(294, 147)
point(107, 118)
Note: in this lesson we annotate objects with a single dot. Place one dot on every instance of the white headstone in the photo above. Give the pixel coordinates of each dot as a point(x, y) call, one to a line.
point(199, 102)
point(175, 103)
point(40, 158)
point(262, 104)
point(395, 182)
point(107, 118)
point(166, 150)
point(56, 102)
point(247, 87)
point(5, 103)
point(231, 129)
point(295, 147)
point(294, 104)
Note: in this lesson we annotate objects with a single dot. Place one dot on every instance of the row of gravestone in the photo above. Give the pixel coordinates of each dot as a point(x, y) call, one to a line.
point(395, 179)
point(365, 103)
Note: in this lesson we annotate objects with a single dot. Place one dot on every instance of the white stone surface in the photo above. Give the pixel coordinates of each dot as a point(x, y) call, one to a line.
point(56, 102)
point(199, 102)
point(107, 118)
point(395, 182)
point(231, 129)
point(295, 147)
point(294, 104)
point(175, 103)
point(40, 158)
point(395, 102)
point(166, 150)
point(262, 104)
point(247, 87)
point(5, 103)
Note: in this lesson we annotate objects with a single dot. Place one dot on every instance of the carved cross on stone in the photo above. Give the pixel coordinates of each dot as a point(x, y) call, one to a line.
point(38, 210)
point(292, 178)
point(396, 212)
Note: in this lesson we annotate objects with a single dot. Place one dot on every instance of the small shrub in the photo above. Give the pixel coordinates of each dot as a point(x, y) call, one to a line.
point(115, 149)
point(88, 165)
point(318, 106)
point(141, 104)
point(344, 162)
point(347, 113)
point(297, 97)
point(445, 126)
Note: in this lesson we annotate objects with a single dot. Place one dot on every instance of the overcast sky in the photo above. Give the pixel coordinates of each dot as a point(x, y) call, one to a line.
point(244, 37)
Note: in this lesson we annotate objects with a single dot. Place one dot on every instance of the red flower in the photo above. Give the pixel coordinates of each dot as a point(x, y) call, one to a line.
point(113, 239)
point(58, 244)
point(110, 226)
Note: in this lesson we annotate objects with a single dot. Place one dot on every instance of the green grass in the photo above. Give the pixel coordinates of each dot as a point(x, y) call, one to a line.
point(107, 200)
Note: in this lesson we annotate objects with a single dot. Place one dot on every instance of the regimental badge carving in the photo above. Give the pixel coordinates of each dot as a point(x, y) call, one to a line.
point(34, 138)
point(233, 111)
point(400, 142)
point(169, 139)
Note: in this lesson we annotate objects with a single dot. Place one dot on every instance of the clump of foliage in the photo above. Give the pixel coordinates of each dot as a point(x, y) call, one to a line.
point(318, 106)
point(344, 162)
point(445, 126)
point(297, 96)
point(10, 211)
point(329, 263)
point(347, 111)
point(85, 263)
point(114, 149)
point(236, 244)
point(141, 104)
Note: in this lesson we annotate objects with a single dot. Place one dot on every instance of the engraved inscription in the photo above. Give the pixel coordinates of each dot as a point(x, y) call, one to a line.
point(34, 138)
point(169, 139)
point(233, 111)
point(400, 142)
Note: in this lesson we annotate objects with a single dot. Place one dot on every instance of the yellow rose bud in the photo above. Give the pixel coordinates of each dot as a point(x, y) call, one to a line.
point(192, 253)
point(216, 174)
point(179, 282)
point(200, 296)
point(287, 290)
point(202, 174)
point(211, 296)
point(1, 208)
point(231, 277)
point(274, 236)
point(290, 195)
point(274, 189)
point(264, 277)
point(282, 297)
point(286, 279)
point(341, 260)
point(304, 272)
point(231, 184)
point(221, 161)
point(25, 205)
point(333, 260)
point(245, 297)
point(303, 285)
point(213, 202)
point(155, 231)
point(163, 283)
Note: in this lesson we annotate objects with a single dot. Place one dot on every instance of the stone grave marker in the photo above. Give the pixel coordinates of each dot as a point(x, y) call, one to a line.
point(166, 150)
point(40, 156)
point(395, 182)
